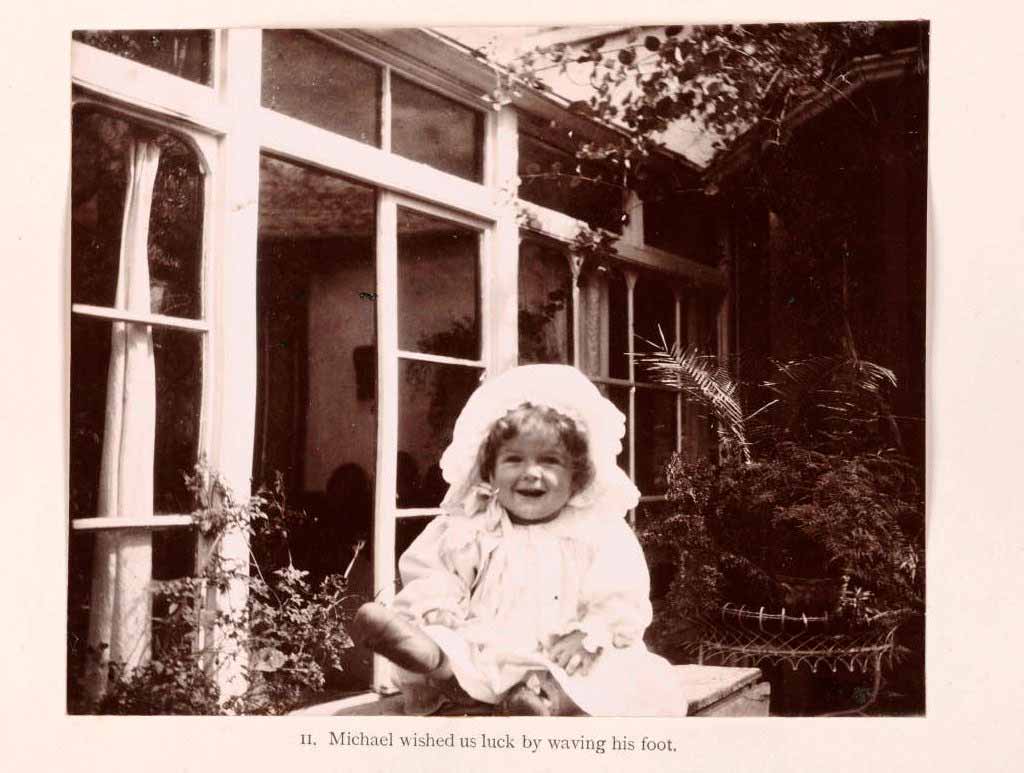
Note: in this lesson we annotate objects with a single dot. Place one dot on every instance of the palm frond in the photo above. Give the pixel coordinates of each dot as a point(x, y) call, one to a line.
point(873, 377)
point(705, 381)
point(829, 394)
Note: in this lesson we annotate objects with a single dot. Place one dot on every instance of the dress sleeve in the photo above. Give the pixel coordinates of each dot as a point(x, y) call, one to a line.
point(438, 571)
point(616, 590)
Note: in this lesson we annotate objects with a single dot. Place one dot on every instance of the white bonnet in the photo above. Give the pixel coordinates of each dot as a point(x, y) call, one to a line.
point(610, 494)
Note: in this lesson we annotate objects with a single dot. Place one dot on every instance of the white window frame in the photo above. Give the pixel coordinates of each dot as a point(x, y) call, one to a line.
point(233, 128)
point(386, 511)
point(205, 148)
point(634, 253)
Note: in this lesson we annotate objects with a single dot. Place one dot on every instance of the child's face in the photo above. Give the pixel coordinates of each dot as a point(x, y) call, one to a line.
point(533, 475)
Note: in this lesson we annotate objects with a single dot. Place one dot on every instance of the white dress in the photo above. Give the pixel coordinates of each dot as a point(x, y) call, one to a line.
point(514, 588)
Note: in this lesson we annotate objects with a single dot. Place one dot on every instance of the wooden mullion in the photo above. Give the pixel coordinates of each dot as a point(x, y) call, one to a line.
point(610, 381)
point(440, 359)
point(418, 512)
point(387, 416)
point(156, 320)
point(147, 523)
point(134, 83)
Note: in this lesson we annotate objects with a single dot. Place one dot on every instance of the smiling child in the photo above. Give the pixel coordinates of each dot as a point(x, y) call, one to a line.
point(531, 591)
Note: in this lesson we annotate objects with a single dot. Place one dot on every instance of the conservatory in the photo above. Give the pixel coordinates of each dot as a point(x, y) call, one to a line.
point(294, 253)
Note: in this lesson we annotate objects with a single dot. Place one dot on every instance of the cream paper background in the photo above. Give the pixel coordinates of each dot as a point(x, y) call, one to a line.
point(974, 349)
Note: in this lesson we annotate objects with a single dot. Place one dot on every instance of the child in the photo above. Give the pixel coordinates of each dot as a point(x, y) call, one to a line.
point(531, 591)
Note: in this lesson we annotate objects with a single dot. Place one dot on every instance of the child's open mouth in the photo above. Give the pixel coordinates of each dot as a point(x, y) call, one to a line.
point(531, 493)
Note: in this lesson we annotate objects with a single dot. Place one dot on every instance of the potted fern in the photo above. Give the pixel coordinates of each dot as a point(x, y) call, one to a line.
point(808, 512)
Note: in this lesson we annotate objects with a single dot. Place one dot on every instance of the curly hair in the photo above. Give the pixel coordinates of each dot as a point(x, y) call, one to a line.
point(528, 416)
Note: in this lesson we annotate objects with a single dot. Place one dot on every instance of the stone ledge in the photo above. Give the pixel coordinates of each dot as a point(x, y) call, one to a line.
point(704, 686)
point(707, 690)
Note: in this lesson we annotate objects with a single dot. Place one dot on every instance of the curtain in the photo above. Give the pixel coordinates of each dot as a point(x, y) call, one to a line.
point(121, 608)
point(594, 313)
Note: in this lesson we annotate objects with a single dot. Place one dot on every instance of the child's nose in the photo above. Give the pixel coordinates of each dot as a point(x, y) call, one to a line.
point(533, 471)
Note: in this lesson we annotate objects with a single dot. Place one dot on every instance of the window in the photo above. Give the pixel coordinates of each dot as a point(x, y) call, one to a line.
point(610, 308)
point(319, 391)
point(615, 311)
point(137, 335)
point(435, 130)
point(372, 314)
point(315, 81)
point(545, 304)
point(440, 346)
point(316, 385)
point(683, 223)
point(309, 76)
point(554, 178)
point(605, 345)
point(655, 410)
point(317, 339)
point(438, 286)
point(185, 53)
point(359, 299)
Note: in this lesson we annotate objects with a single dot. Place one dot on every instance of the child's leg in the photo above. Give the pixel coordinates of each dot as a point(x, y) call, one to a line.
point(381, 630)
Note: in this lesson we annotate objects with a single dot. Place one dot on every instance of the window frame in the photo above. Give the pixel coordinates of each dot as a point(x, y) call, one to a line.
point(386, 512)
point(229, 123)
point(684, 329)
point(687, 276)
point(204, 147)
point(550, 244)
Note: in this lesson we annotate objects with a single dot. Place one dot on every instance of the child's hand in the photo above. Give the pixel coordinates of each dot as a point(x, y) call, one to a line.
point(568, 652)
point(444, 617)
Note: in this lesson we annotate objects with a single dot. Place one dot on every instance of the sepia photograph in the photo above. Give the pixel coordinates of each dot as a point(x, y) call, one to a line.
point(498, 371)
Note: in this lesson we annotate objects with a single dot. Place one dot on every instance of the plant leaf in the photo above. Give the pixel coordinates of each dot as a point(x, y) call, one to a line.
point(702, 378)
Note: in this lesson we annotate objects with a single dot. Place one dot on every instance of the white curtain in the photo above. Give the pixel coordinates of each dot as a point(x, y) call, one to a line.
point(594, 324)
point(121, 608)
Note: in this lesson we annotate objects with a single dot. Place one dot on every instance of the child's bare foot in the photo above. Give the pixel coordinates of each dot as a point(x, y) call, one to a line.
point(381, 630)
point(526, 699)
point(538, 695)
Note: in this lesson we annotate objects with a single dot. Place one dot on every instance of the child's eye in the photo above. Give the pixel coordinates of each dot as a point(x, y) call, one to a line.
point(551, 460)
point(511, 459)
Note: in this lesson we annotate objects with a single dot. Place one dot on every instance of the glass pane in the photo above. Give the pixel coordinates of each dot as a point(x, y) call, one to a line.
point(315, 81)
point(90, 361)
point(604, 328)
point(99, 156)
point(435, 130)
point(549, 177)
point(711, 309)
point(80, 551)
point(174, 553)
point(618, 327)
point(438, 286)
point(619, 395)
point(655, 438)
point(406, 532)
point(654, 316)
point(545, 304)
point(185, 53)
point(701, 313)
point(179, 368)
point(178, 361)
point(316, 419)
point(430, 398)
point(682, 223)
point(417, 485)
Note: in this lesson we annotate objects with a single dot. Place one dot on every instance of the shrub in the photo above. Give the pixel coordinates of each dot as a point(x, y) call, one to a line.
point(289, 636)
point(808, 508)
point(751, 534)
